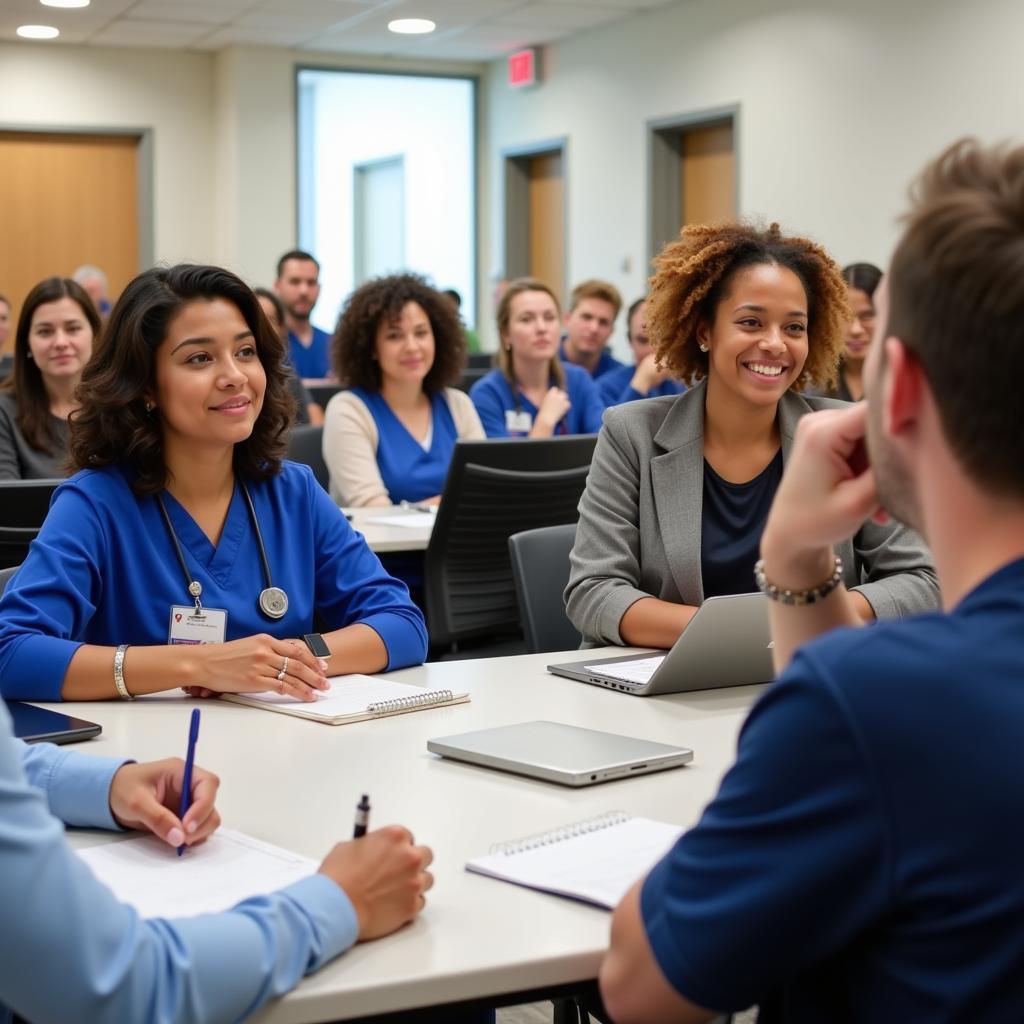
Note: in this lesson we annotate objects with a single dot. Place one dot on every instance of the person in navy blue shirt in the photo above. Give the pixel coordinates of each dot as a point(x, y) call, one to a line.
point(645, 379)
point(862, 859)
point(298, 287)
point(593, 307)
point(185, 527)
point(533, 393)
point(400, 348)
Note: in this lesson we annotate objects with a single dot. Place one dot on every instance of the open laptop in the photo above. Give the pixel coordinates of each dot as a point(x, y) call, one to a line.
point(727, 643)
point(41, 725)
point(556, 752)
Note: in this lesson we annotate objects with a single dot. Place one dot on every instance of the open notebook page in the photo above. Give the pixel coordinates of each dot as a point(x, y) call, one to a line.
point(596, 867)
point(229, 867)
point(348, 695)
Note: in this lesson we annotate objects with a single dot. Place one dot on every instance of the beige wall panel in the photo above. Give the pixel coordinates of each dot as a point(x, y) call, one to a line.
point(547, 221)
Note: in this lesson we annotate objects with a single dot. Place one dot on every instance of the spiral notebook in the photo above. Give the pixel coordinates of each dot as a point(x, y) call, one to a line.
point(353, 698)
point(595, 861)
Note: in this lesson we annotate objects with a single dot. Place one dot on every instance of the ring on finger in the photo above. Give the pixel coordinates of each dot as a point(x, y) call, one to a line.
point(284, 669)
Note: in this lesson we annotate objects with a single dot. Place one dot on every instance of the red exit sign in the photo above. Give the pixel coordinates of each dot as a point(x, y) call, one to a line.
point(522, 68)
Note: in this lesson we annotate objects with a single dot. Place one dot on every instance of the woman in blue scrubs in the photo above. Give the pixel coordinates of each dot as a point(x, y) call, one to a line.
point(186, 552)
point(533, 393)
point(400, 347)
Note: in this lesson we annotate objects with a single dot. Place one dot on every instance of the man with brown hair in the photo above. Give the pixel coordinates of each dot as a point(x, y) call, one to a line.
point(588, 326)
point(862, 859)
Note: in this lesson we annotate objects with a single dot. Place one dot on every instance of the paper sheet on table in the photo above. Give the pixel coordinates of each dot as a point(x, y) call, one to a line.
point(229, 867)
point(408, 520)
point(639, 671)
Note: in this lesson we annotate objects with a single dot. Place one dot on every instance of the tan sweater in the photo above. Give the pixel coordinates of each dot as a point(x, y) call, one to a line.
point(351, 439)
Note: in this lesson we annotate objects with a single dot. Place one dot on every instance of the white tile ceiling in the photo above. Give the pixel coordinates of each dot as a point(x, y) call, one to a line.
point(475, 30)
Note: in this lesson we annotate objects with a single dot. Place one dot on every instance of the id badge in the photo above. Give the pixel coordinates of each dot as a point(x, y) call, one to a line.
point(518, 421)
point(210, 626)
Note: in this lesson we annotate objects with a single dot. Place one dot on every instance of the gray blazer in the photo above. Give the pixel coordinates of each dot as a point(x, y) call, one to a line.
point(640, 521)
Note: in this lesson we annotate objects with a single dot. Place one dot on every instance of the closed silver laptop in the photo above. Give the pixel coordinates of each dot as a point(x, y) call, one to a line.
point(727, 643)
point(561, 753)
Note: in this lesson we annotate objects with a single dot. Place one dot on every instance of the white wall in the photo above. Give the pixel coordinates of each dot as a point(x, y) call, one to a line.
point(840, 105)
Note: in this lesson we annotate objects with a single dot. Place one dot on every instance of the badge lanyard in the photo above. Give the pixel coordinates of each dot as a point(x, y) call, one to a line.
point(273, 601)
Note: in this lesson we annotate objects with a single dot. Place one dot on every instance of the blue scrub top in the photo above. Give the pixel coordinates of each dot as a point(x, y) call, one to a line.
point(313, 362)
point(493, 397)
point(606, 364)
point(409, 472)
point(103, 571)
point(615, 387)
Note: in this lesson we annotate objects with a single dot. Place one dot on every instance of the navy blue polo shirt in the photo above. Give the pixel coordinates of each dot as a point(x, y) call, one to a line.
point(864, 858)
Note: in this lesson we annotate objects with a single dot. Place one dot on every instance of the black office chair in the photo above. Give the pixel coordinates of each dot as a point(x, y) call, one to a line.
point(306, 445)
point(323, 393)
point(6, 575)
point(540, 570)
point(23, 507)
point(471, 375)
point(495, 489)
point(480, 361)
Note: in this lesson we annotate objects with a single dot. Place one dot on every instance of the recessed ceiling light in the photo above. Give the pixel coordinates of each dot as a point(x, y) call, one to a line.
point(65, 3)
point(411, 26)
point(38, 32)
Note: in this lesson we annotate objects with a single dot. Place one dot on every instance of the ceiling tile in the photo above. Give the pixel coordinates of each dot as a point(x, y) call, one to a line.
point(239, 35)
point(125, 32)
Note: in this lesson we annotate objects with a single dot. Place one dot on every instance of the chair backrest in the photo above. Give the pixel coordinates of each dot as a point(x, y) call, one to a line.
point(471, 375)
point(323, 393)
point(306, 445)
point(6, 575)
point(23, 507)
point(480, 361)
point(494, 489)
point(540, 570)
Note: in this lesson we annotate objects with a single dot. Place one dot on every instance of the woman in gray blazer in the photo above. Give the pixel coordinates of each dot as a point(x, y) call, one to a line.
point(680, 487)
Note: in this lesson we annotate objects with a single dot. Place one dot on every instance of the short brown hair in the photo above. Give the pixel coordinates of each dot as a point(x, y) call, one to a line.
point(503, 316)
point(956, 300)
point(692, 275)
point(595, 289)
point(112, 425)
point(354, 347)
point(26, 381)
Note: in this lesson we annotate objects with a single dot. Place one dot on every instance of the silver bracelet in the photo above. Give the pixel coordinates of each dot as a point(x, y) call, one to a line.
point(799, 597)
point(122, 690)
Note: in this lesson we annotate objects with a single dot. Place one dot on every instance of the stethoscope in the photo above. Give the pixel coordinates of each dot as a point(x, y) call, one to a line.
point(273, 601)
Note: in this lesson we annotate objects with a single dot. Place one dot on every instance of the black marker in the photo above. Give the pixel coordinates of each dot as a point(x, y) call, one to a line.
point(362, 818)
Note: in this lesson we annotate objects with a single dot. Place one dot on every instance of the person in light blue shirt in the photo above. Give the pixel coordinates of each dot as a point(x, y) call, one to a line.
point(70, 951)
point(646, 379)
point(298, 287)
point(186, 527)
point(532, 393)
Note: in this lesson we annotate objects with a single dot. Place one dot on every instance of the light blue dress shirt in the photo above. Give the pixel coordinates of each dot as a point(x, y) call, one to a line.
point(70, 952)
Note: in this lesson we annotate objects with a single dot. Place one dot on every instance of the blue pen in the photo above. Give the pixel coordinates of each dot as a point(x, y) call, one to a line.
point(186, 783)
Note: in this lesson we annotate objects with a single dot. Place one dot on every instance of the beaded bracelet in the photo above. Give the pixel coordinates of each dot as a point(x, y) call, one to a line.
point(798, 597)
point(122, 690)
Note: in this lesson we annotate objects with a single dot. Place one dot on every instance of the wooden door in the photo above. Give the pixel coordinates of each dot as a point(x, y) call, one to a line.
point(707, 174)
point(66, 200)
point(546, 190)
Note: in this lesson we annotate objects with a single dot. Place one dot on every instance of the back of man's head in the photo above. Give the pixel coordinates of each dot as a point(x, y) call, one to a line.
point(956, 299)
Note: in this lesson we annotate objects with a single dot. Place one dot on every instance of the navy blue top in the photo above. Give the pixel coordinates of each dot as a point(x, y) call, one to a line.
point(494, 400)
point(862, 859)
point(103, 571)
point(605, 364)
point(731, 523)
point(315, 361)
point(615, 387)
point(409, 472)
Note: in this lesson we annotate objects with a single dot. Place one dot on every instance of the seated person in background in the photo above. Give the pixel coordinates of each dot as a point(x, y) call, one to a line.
point(307, 411)
point(56, 330)
point(298, 288)
point(643, 380)
point(94, 284)
point(5, 322)
point(861, 281)
point(70, 951)
point(399, 347)
point(861, 861)
point(533, 393)
point(679, 488)
point(593, 307)
point(183, 500)
point(472, 338)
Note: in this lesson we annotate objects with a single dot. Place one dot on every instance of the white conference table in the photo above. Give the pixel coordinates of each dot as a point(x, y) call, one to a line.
point(295, 783)
point(384, 537)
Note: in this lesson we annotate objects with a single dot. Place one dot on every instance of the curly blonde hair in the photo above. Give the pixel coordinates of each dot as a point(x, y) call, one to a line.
point(692, 275)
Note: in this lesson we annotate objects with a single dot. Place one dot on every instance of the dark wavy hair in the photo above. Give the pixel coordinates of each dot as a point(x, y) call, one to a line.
point(112, 424)
point(692, 275)
point(354, 346)
point(26, 380)
point(864, 277)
